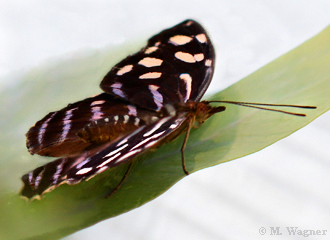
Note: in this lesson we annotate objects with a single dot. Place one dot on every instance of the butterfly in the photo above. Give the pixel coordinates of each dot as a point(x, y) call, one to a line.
point(149, 98)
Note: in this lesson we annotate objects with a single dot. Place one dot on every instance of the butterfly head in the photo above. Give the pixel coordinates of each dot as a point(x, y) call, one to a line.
point(204, 110)
point(200, 111)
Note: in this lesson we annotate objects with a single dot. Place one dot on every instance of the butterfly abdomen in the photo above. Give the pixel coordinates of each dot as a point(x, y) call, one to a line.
point(109, 128)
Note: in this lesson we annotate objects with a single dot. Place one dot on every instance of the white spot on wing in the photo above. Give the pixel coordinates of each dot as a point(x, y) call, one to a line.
point(199, 57)
point(155, 128)
point(155, 141)
point(116, 118)
point(156, 135)
point(201, 38)
point(116, 151)
point(132, 110)
point(99, 102)
point(126, 118)
point(57, 173)
point(150, 75)
point(65, 130)
point(67, 124)
point(185, 57)
point(117, 85)
point(84, 171)
point(187, 80)
point(97, 113)
point(141, 143)
point(80, 165)
point(208, 62)
point(150, 62)
point(180, 40)
point(124, 70)
point(118, 92)
point(38, 178)
point(158, 98)
point(116, 89)
point(30, 177)
point(43, 128)
point(174, 125)
point(108, 160)
point(150, 50)
point(136, 121)
point(130, 153)
point(122, 142)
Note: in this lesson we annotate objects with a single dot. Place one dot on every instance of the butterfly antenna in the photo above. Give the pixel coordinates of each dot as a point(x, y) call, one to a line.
point(258, 106)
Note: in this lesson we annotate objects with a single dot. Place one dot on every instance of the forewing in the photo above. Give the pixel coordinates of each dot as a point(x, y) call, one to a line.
point(72, 170)
point(175, 66)
point(83, 125)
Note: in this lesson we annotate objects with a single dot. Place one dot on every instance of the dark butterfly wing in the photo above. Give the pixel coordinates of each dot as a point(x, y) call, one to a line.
point(72, 170)
point(140, 110)
point(85, 124)
point(175, 66)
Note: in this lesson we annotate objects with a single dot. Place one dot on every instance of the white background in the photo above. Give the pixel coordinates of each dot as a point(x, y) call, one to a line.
point(284, 185)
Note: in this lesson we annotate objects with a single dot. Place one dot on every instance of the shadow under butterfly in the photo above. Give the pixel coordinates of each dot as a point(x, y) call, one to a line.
point(149, 99)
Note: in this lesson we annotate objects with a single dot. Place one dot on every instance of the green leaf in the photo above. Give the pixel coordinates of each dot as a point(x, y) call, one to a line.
point(299, 77)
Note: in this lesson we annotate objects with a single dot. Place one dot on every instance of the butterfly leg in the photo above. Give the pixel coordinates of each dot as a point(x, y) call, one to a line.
point(190, 124)
point(121, 181)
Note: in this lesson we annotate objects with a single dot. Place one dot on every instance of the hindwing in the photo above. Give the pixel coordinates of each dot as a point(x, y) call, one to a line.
point(72, 170)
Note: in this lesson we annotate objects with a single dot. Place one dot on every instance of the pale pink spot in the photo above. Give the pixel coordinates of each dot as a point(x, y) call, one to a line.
point(185, 57)
point(180, 40)
point(150, 75)
point(201, 38)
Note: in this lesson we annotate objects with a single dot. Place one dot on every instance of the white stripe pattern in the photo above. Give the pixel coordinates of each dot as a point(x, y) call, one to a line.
point(43, 127)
